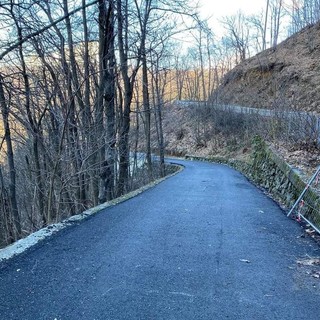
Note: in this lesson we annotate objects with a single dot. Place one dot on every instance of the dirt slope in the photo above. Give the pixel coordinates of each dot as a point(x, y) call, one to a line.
point(287, 76)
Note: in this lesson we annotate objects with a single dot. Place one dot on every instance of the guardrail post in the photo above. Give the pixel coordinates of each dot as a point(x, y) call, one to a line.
point(304, 191)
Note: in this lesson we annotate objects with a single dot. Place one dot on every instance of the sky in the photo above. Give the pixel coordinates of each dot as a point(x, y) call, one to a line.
point(219, 8)
point(216, 9)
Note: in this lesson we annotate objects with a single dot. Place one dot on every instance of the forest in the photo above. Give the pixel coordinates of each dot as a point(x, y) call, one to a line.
point(83, 86)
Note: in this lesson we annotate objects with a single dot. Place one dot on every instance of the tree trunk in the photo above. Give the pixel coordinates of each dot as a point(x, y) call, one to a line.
point(10, 157)
point(105, 101)
point(146, 109)
point(81, 195)
point(122, 18)
point(35, 132)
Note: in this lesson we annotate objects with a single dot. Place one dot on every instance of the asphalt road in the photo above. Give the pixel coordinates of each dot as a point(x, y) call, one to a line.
point(204, 244)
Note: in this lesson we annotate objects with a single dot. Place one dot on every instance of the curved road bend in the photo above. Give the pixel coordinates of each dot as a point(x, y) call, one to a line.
point(204, 244)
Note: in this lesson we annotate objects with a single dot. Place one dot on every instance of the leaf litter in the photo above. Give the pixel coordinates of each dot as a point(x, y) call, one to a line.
point(309, 262)
point(313, 266)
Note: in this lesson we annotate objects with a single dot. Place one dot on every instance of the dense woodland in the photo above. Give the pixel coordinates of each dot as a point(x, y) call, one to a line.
point(84, 83)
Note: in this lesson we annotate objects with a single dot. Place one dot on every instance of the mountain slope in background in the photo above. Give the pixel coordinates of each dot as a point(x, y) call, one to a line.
point(287, 76)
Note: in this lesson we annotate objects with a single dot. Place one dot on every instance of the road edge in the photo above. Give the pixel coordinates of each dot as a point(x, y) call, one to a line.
point(23, 244)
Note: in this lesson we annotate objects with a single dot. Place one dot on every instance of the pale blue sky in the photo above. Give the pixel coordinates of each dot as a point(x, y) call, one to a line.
point(219, 8)
point(216, 9)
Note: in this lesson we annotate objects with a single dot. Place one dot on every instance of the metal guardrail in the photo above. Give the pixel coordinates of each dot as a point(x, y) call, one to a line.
point(307, 206)
point(300, 124)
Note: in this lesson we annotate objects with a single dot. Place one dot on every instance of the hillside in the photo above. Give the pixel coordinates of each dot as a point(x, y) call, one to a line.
point(287, 76)
point(210, 133)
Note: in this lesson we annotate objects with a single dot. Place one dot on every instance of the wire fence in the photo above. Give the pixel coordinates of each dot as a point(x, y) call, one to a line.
point(307, 206)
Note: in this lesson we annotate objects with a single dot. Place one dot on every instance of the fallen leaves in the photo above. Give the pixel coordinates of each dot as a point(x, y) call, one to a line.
point(312, 264)
point(310, 231)
point(309, 262)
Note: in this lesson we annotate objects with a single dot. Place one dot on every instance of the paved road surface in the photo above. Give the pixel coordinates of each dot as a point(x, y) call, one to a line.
point(204, 244)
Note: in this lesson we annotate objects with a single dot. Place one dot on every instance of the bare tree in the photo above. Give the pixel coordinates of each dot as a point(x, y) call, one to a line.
point(237, 35)
point(10, 157)
point(276, 12)
point(68, 70)
point(257, 36)
point(143, 15)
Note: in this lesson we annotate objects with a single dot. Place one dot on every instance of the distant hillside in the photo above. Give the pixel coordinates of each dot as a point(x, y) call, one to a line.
point(287, 76)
